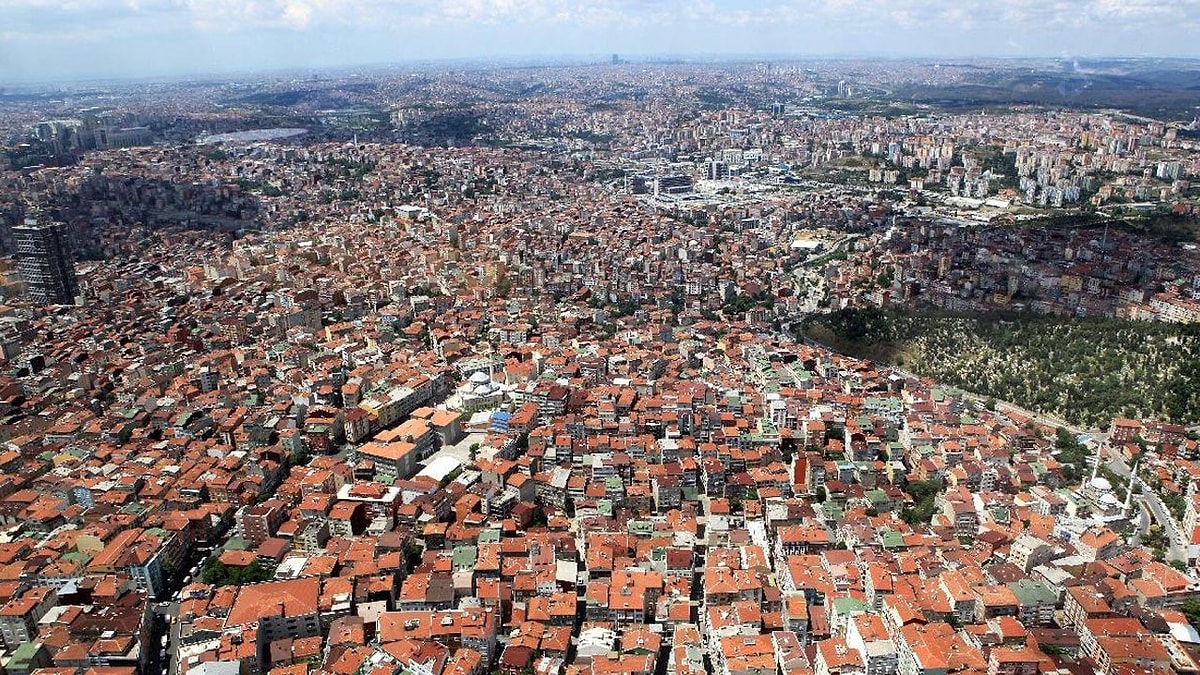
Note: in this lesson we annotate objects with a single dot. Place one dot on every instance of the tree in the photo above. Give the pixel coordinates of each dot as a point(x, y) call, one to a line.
point(252, 574)
point(446, 480)
point(1072, 454)
point(1155, 538)
point(924, 494)
point(1191, 609)
point(218, 573)
point(290, 460)
point(413, 554)
point(503, 287)
point(1175, 503)
point(215, 573)
point(788, 449)
point(169, 573)
point(539, 518)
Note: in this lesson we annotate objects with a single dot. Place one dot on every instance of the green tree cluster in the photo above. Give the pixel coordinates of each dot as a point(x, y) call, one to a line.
point(218, 573)
point(924, 494)
point(740, 304)
point(1175, 503)
point(1086, 371)
point(1072, 454)
point(1155, 540)
point(1191, 609)
point(413, 552)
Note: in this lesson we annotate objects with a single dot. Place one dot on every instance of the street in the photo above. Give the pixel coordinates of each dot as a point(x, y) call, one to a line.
point(1178, 548)
point(1178, 545)
point(164, 614)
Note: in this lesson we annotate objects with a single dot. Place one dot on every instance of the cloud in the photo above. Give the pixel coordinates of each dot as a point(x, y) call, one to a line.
point(76, 30)
point(304, 15)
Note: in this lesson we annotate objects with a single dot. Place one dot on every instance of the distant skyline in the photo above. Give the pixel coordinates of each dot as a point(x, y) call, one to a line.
point(57, 39)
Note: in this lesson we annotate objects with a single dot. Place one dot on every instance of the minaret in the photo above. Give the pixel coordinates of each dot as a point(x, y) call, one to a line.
point(1129, 493)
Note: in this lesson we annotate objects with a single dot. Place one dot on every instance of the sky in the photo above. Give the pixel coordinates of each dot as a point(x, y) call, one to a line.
point(54, 39)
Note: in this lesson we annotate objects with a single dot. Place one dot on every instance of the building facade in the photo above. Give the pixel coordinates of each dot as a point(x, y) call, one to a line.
point(45, 262)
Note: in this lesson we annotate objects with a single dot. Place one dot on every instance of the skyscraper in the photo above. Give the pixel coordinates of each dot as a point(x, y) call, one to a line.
point(45, 263)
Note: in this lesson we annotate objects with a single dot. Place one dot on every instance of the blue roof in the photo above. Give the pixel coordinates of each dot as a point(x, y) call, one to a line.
point(500, 421)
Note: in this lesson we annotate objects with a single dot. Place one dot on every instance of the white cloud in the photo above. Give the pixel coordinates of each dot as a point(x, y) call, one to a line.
point(387, 28)
point(308, 14)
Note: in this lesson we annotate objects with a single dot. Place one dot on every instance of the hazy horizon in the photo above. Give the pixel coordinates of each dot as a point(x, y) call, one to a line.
point(98, 39)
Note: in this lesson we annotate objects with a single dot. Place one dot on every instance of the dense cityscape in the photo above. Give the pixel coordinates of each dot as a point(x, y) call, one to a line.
point(466, 368)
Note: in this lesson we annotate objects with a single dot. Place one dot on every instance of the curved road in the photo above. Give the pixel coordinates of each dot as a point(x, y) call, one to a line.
point(1178, 549)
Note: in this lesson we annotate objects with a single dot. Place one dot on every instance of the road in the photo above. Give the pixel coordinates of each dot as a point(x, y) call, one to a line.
point(1178, 549)
point(1151, 500)
point(1041, 418)
point(1143, 523)
point(166, 613)
point(1118, 466)
point(834, 249)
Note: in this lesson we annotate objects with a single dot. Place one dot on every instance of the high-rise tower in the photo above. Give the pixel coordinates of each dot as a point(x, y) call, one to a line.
point(45, 262)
